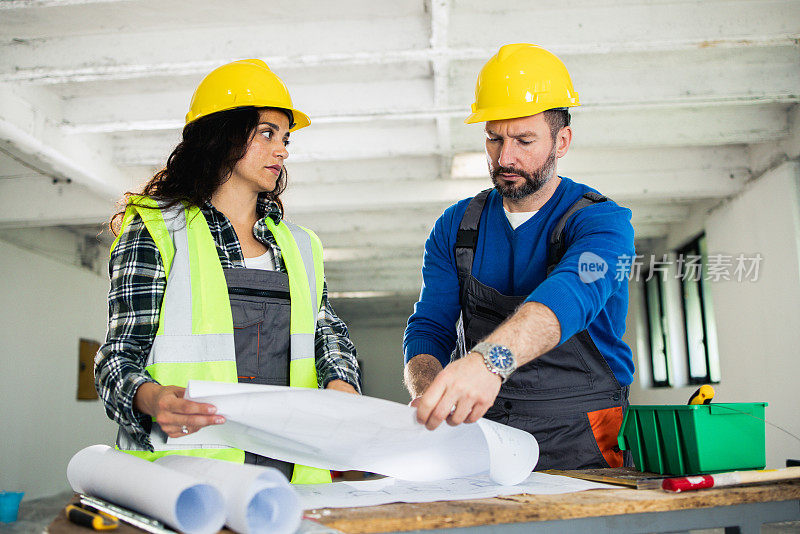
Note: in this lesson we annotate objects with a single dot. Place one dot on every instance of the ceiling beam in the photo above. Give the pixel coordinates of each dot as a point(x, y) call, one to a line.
point(623, 25)
point(192, 51)
point(32, 4)
point(49, 204)
point(28, 134)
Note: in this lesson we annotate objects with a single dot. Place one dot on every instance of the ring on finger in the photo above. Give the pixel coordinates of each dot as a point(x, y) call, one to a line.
point(184, 429)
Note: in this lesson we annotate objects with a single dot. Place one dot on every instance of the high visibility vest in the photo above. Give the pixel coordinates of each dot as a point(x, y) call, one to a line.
point(195, 339)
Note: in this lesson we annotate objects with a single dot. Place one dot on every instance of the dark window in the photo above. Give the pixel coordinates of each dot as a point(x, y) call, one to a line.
point(701, 339)
point(656, 328)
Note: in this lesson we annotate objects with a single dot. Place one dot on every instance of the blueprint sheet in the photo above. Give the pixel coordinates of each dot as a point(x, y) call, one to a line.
point(388, 490)
point(339, 431)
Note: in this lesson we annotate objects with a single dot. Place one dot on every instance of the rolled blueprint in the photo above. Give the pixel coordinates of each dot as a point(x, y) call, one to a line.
point(339, 431)
point(179, 500)
point(258, 500)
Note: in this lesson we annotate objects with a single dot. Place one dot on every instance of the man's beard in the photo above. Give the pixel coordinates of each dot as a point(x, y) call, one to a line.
point(534, 180)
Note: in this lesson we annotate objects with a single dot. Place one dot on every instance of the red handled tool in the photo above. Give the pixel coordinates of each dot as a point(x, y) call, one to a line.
point(732, 478)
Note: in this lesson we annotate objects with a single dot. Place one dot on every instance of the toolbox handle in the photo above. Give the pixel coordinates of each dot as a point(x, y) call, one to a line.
point(722, 409)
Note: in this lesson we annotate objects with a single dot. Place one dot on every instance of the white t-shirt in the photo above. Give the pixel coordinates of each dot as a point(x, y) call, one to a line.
point(265, 262)
point(518, 218)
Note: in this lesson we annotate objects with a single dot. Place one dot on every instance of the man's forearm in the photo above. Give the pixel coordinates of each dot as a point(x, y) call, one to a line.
point(530, 332)
point(419, 373)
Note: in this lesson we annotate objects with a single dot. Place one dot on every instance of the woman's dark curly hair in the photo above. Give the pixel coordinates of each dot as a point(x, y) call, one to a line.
point(202, 161)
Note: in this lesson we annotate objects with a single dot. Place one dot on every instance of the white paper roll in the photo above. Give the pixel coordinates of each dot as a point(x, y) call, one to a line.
point(179, 500)
point(259, 500)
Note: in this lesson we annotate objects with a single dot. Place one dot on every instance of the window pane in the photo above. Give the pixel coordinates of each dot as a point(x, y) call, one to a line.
point(655, 317)
point(695, 341)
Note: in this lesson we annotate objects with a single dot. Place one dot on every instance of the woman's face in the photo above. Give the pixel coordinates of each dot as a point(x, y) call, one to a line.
point(262, 163)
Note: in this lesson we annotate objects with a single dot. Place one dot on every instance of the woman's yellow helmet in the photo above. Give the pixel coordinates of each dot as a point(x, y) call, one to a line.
point(247, 82)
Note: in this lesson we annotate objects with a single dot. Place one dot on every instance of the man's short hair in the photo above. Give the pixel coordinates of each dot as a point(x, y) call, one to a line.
point(556, 119)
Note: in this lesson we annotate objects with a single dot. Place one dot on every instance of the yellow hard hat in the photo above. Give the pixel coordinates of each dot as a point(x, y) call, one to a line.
point(520, 80)
point(247, 82)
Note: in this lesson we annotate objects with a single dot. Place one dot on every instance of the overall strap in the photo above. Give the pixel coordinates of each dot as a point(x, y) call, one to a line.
point(556, 247)
point(302, 256)
point(467, 236)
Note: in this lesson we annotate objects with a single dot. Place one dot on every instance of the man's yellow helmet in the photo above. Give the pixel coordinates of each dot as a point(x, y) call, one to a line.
point(521, 80)
point(247, 82)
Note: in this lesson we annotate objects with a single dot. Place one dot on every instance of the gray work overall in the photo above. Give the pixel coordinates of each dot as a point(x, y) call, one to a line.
point(568, 398)
point(261, 311)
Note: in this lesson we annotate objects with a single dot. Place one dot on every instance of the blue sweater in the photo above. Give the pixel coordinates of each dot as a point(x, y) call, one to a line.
point(515, 263)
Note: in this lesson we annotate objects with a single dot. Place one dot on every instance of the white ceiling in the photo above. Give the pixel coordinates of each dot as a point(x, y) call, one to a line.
point(675, 93)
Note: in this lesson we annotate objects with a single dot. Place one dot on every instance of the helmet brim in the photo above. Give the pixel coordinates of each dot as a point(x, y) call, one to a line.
point(515, 112)
point(301, 120)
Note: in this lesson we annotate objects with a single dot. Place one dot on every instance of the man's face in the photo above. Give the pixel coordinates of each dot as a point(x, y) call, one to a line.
point(521, 155)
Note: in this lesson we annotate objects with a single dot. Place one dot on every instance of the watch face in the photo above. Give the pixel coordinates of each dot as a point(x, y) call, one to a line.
point(501, 358)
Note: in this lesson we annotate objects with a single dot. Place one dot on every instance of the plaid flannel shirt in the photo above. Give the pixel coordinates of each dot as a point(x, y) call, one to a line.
point(138, 281)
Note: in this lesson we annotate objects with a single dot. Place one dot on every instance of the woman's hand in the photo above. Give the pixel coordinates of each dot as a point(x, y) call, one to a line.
point(341, 385)
point(176, 415)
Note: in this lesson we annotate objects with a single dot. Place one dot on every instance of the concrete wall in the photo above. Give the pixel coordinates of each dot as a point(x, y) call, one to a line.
point(380, 349)
point(757, 328)
point(45, 308)
point(376, 327)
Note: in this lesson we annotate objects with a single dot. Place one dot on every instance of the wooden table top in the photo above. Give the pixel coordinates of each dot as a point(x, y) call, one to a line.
point(524, 508)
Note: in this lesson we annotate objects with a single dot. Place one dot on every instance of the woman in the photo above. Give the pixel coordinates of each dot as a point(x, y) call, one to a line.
point(209, 283)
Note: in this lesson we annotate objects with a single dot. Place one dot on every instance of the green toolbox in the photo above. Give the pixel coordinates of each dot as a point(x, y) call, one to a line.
point(686, 440)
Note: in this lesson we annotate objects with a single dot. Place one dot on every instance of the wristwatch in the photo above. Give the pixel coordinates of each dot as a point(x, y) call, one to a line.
point(498, 359)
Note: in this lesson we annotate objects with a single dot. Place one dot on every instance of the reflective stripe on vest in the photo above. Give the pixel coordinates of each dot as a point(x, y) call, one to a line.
point(195, 333)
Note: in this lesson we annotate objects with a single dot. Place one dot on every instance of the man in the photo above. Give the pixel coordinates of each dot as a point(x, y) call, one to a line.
point(526, 278)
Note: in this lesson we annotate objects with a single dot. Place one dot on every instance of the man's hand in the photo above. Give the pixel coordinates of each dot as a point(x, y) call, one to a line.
point(341, 385)
point(465, 389)
point(172, 412)
point(466, 385)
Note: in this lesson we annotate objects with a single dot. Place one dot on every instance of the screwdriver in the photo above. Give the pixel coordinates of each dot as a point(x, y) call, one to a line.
point(703, 395)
